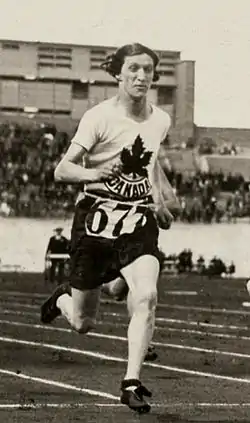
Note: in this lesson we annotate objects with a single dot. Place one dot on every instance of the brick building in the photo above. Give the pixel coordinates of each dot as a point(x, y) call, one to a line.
point(59, 82)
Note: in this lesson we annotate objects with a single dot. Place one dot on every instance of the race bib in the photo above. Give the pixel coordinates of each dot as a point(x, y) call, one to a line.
point(110, 219)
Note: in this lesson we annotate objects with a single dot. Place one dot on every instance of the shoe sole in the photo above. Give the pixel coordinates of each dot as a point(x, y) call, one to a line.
point(143, 409)
point(44, 316)
point(152, 357)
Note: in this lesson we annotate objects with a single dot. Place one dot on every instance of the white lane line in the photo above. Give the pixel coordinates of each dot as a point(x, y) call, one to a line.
point(207, 334)
point(184, 293)
point(187, 322)
point(160, 305)
point(158, 328)
point(124, 339)
point(122, 360)
point(41, 406)
point(205, 309)
point(23, 294)
point(158, 319)
point(62, 348)
point(19, 313)
point(202, 324)
point(20, 305)
point(177, 405)
point(57, 384)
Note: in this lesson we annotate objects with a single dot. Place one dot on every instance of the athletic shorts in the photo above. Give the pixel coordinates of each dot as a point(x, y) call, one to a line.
point(107, 236)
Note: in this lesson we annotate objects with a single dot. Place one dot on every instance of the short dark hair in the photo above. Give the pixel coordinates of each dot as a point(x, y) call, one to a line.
point(114, 62)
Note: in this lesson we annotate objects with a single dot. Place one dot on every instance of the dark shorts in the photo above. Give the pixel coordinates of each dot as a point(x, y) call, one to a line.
point(95, 259)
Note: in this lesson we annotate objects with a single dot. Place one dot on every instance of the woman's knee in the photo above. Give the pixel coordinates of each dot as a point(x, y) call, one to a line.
point(120, 291)
point(84, 309)
point(116, 289)
point(146, 298)
point(83, 324)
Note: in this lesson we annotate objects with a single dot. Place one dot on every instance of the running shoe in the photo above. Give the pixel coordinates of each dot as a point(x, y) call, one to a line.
point(132, 395)
point(49, 309)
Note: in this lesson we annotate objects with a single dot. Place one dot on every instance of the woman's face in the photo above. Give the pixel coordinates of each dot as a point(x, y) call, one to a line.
point(136, 75)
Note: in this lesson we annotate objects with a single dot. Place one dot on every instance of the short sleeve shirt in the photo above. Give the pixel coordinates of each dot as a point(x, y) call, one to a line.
point(131, 146)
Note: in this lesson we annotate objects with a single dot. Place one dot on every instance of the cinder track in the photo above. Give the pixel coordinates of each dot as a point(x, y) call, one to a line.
point(50, 374)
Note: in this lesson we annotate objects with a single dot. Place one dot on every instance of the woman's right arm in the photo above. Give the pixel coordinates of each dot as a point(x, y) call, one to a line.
point(70, 171)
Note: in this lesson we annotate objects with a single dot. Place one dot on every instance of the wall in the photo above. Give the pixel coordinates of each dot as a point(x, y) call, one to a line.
point(237, 136)
point(30, 70)
point(184, 102)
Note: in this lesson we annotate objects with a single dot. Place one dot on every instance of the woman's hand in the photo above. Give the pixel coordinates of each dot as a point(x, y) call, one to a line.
point(164, 217)
point(102, 173)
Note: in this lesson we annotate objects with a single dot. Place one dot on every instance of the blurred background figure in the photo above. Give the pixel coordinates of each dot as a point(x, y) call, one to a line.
point(185, 262)
point(55, 267)
point(216, 267)
point(200, 265)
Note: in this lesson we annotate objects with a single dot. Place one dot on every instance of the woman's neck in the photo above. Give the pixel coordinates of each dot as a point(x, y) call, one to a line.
point(139, 109)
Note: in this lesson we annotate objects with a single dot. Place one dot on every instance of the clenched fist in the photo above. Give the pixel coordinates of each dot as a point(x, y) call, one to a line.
point(102, 173)
point(164, 217)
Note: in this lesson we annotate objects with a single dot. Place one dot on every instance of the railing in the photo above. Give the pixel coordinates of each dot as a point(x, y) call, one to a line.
point(168, 267)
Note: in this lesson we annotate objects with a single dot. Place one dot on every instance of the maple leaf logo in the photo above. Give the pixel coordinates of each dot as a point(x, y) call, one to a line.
point(135, 161)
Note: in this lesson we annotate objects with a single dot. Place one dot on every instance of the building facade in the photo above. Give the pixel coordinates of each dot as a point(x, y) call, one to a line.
point(62, 81)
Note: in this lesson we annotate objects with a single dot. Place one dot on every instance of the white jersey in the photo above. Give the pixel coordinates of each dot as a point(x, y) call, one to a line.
point(111, 137)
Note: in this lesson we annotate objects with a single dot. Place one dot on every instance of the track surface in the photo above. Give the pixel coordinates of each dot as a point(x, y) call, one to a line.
point(50, 374)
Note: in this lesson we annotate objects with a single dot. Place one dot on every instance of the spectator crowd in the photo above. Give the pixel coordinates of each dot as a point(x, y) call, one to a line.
point(208, 197)
point(184, 263)
point(29, 155)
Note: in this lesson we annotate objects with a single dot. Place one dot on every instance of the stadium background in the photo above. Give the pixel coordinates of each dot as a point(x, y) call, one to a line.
point(203, 320)
point(44, 90)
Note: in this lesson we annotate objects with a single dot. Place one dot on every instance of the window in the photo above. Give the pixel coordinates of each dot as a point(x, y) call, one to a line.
point(46, 65)
point(80, 91)
point(166, 68)
point(97, 59)
point(10, 109)
point(165, 95)
point(54, 57)
point(169, 55)
point(63, 50)
point(97, 56)
point(166, 63)
point(166, 72)
point(62, 57)
point(46, 49)
point(55, 112)
point(11, 77)
point(55, 48)
point(63, 65)
point(45, 56)
point(98, 52)
point(95, 66)
point(10, 46)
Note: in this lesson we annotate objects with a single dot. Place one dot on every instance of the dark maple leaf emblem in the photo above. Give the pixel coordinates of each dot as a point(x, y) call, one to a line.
point(135, 161)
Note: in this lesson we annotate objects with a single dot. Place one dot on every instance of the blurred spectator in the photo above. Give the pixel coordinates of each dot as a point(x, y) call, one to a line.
point(185, 262)
point(5, 209)
point(231, 268)
point(28, 158)
point(58, 245)
point(229, 149)
point(216, 267)
point(200, 265)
